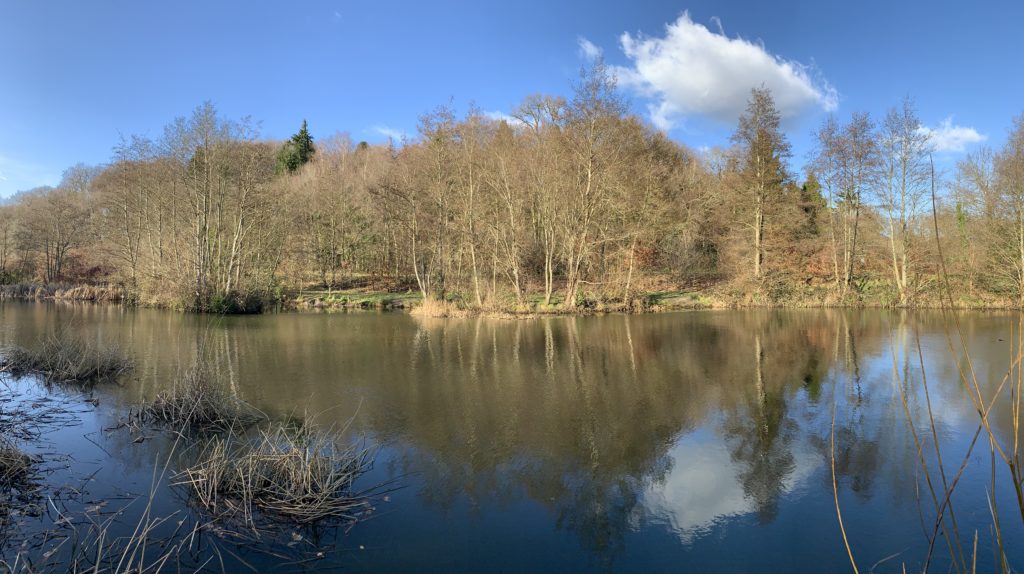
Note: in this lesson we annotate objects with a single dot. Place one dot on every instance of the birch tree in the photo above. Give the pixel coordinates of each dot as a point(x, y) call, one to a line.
point(905, 180)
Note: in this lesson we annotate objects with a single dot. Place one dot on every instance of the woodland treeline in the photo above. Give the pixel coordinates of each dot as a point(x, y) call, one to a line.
point(566, 203)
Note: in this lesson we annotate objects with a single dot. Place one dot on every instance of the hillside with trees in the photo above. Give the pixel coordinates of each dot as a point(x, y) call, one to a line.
point(568, 204)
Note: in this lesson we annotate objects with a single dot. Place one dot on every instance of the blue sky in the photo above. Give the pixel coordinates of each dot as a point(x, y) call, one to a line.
point(74, 75)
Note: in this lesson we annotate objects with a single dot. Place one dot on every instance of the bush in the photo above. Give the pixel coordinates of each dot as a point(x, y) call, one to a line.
point(233, 303)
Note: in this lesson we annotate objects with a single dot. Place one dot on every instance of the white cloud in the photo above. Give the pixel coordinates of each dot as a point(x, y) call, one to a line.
point(694, 71)
point(588, 50)
point(502, 116)
point(947, 137)
point(397, 135)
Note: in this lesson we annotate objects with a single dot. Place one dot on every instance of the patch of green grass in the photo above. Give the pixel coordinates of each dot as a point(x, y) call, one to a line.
point(355, 299)
point(677, 300)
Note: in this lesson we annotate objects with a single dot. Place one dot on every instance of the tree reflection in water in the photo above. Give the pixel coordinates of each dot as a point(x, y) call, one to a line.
point(689, 423)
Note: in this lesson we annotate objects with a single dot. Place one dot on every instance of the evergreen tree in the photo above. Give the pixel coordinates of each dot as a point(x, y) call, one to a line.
point(297, 151)
point(811, 203)
point(764, 150)
point(303, 143)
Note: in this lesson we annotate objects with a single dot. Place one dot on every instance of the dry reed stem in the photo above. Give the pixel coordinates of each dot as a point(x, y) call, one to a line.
point(835, 492)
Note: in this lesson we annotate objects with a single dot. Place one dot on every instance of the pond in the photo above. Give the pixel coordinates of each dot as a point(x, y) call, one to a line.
point(699, 441)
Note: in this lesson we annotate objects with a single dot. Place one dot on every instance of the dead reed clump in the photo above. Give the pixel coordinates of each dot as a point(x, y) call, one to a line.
point(197, 403)
point(15, 466)
point(299, 475)
point(440, 309)
point(69, 359)
point(26, 291)
point(94, 293)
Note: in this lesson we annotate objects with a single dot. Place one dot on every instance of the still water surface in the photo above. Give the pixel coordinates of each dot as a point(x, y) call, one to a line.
point(676, 442)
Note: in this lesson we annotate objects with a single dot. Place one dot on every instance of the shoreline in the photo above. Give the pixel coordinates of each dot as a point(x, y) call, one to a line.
point(345, 300)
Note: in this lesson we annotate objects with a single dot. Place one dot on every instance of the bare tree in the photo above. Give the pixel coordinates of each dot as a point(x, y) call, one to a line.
point(977, 203)
point(543, 117)
point(1009, 169)
point(846, 162)
point(588, 136)
point(53, 223)
point(905, 150)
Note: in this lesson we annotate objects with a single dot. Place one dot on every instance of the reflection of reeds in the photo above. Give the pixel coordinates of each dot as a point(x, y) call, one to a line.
point(298, 474)
point(67, 358)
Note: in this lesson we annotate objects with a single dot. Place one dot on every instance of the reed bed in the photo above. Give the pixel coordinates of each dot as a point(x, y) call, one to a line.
point(53, 526)
point(64, 292)
point(299, 475)
point(90, 539)
point(25, 291)
point(68, 359)
point(198, 404)
point(92, 293)
point(94, 540)
point(439, 309)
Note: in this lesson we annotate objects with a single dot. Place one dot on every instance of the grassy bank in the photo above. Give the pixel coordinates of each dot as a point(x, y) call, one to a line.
point(715, 297)
point(458, 306)
point(355, 299)
point(367, 295)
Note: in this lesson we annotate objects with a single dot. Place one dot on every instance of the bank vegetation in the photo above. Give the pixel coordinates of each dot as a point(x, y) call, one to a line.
point(566, 204)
